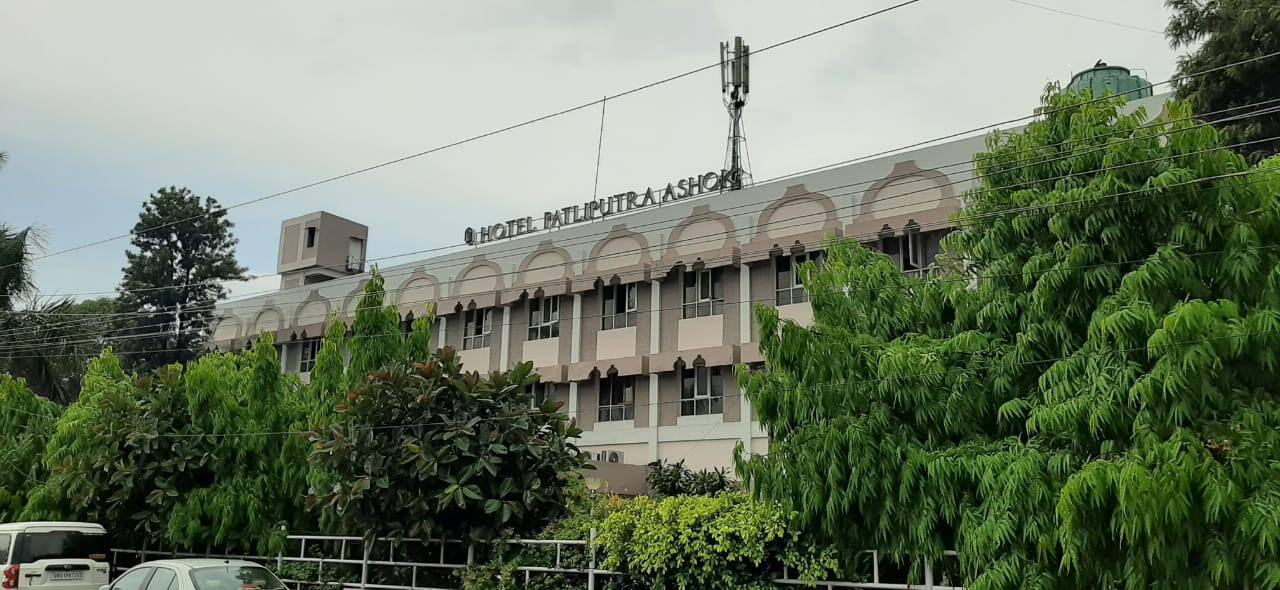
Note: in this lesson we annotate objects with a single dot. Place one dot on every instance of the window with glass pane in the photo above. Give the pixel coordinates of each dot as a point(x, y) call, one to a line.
point(617, 399)
point(310, 351)
point(477, 328)
point(787, 273)
point(544, 318)
point(703, 293)
point(618, 307)
point(541, 392)
point(912, 250)
point(701, 391)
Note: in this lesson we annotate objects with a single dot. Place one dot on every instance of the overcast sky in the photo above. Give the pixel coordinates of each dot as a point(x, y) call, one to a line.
point(101, 103)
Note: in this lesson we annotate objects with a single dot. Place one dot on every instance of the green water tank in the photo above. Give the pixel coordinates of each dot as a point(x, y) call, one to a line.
point(1102, 78)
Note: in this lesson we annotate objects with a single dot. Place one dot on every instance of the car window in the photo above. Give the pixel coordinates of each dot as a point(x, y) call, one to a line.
point(235, 577)
point(33, 547)
point(4, 548)
point(132, 579)
point(164, 579)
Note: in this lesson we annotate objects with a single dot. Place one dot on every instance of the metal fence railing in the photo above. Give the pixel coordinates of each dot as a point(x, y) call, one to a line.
point(326, 562)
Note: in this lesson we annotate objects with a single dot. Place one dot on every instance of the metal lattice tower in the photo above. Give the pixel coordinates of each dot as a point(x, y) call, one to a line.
point(735, 75)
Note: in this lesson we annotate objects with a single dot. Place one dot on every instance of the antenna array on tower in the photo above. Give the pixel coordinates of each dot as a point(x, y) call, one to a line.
point(735, 83)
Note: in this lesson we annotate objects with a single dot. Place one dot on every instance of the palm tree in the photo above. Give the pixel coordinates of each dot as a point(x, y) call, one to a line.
point(16, 252)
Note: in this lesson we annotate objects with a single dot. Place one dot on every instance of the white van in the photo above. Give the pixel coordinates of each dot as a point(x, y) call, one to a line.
point(53, 556)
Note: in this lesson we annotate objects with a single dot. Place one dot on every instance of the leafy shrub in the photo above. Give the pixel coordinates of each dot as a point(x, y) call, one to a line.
point(726, 541)
point(674, 479)
point(427, 449)
point(490, 576)
point(312, 572)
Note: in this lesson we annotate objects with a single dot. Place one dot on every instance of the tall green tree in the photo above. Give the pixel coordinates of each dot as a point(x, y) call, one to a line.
point(1223, 32)
point(183, 252)
point(1085, 399)
point(193, 455)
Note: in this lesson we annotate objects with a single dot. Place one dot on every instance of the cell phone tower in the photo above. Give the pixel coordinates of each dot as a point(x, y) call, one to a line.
point(735, 83)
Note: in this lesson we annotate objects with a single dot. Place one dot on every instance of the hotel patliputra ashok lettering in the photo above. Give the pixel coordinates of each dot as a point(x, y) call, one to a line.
point(600, 208)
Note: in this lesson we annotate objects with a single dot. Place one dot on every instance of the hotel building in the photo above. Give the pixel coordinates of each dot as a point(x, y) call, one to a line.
point(633, 318)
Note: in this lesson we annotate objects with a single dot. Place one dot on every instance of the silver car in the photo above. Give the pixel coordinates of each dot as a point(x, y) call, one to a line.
point(196, 574)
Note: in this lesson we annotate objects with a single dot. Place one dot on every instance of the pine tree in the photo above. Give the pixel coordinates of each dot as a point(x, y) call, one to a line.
point(184, 252)
point(1085, 398)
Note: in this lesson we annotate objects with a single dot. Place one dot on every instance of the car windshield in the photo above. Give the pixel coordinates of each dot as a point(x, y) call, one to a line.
point(32, 547)
point(235, 577)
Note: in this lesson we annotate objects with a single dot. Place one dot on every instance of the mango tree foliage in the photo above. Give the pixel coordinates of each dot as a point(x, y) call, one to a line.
point(1085, 398)
point(425, 450)
point(27, 422)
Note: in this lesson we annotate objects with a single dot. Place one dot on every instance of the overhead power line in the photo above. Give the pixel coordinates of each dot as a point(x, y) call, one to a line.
point(477, 137)
point(1087, 17)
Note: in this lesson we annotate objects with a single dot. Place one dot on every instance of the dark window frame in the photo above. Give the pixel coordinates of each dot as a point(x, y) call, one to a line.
point(309, 351)
point(701, 390)
point(616, 400)
point(703, 292)
point(544, 318)
point(477, 328)
point(540, 392)
point(619, 312)
point(788, 288)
